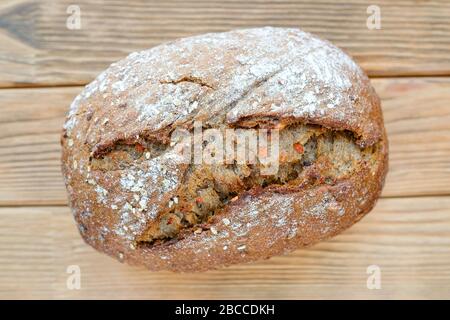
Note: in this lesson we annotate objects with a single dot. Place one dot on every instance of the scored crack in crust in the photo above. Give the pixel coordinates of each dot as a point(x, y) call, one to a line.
point(134, 197)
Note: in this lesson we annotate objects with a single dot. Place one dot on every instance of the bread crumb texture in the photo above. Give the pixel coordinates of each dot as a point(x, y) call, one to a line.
point(135, 198)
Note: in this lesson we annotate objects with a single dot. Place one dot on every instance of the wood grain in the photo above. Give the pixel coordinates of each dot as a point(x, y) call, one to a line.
point(417, 115)
point(409, 239)
point(37, 49)
point(31, 121)
point(407, 235)
point(417, 119)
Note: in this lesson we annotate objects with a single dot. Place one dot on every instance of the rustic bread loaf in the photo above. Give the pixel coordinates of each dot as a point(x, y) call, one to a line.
point(135, 198)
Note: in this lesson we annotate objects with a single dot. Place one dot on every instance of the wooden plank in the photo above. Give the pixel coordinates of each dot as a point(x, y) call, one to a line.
point(408, 238)
point(417, 115)
point(31, 121)
point(38, 49)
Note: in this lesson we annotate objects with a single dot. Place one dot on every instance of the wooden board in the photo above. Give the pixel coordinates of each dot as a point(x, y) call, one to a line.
point(409, 239)
point(38, 49)
point(407, 235)
point(417, 115)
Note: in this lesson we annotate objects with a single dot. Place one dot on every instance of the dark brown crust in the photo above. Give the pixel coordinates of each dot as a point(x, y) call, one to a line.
point(262, 222)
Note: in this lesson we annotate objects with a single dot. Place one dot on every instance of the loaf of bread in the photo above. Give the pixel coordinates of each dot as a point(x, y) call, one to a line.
point(135, 197)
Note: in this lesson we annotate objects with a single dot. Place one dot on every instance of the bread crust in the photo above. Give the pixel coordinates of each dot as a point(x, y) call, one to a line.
point(242, 79)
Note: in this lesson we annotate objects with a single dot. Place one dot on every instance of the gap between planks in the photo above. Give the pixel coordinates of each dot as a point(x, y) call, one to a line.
point(82, 84)
point(64, 205)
